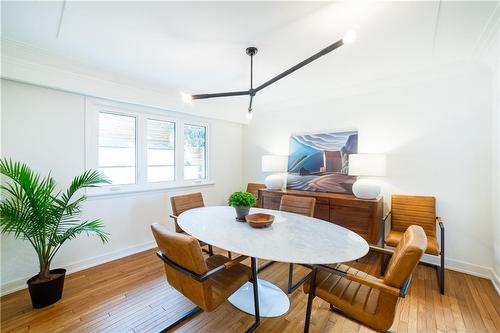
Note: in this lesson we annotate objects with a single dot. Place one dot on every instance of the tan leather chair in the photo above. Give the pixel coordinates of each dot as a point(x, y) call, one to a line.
point(368, 300)
point(298, 205)
point(205, 282)
point(254, 189)
point(409, 210)
point(182, 203)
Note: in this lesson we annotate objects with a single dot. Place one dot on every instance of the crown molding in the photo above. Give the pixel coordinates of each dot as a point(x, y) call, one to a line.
point(20, 63)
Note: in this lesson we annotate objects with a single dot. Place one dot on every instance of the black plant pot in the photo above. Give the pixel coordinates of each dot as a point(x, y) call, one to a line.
point(241, 212)
point(46, 293)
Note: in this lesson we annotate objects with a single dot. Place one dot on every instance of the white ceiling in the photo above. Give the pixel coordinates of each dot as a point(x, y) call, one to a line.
point(199, 47)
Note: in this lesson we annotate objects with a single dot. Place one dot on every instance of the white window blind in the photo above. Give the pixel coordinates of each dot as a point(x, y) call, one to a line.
point(117, 147)
point(160, 150)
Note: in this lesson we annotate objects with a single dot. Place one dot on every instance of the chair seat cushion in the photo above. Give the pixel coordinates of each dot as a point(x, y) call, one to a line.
point(226, 282)
point(353, 299)
point(394, 237)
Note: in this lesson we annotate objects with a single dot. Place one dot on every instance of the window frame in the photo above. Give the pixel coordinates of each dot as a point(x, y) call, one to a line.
point(94, 106)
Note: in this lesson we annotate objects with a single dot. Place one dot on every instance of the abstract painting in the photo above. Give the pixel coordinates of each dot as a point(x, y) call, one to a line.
point(320, 162)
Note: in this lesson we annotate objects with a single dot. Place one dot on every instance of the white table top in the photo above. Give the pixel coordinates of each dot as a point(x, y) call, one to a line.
point(291, 238)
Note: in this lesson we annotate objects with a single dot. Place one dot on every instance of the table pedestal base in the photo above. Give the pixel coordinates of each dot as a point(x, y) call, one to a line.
point(273, 302)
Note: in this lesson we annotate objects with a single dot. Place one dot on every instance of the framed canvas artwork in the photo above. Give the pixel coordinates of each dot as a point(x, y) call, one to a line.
point(320, 162)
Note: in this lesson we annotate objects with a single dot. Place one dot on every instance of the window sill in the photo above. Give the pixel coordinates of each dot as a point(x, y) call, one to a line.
point(120, 190)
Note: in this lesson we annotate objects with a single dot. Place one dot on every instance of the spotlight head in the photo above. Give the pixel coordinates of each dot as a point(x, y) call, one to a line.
point(187, 98)
point(349, 37)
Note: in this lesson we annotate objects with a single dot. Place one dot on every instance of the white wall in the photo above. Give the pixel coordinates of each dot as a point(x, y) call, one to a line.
point(492, 59)
point(436, 130)
point(45, 128)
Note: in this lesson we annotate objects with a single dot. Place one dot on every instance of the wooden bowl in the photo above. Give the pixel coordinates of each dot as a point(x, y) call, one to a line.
point(259, 220)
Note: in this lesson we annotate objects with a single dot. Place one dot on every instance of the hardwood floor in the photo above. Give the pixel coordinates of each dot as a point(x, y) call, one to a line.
point(132, 295)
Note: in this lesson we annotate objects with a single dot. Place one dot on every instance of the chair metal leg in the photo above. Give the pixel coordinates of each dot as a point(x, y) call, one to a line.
point(255, 296)
point(292, 287)
point(229, 254)
point(183, 317)
point(441, 274)
point(210, 250)
point(312, 290)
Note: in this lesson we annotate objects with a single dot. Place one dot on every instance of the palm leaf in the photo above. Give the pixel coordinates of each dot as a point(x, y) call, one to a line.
point(34, 211)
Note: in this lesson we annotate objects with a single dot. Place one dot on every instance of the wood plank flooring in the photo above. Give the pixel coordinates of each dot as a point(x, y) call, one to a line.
point(132, 295)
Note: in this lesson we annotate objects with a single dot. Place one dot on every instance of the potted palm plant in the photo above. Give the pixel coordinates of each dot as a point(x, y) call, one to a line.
point(241, 201)
point(33, 210)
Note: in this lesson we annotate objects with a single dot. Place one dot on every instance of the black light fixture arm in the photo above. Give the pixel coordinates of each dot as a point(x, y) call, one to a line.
point(301, 64)
point(251, 51)
point(226, 94)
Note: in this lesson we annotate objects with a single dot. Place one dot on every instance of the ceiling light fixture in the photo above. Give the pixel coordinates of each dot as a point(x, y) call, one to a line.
point(186, 97)
point(249, 114)
point(252, 51)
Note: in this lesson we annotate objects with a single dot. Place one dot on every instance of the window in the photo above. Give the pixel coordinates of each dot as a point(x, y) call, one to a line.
point(137, 147)
point(117, 153)
point(161, 150)
point(194, 151)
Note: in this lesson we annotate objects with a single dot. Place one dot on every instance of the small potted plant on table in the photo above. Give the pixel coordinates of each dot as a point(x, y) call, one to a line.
point(33, 209)
point(241, 201)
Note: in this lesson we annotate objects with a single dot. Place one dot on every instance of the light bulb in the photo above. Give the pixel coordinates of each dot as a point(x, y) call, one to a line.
point(187, 98)
point(349, 37)
point(249, 115)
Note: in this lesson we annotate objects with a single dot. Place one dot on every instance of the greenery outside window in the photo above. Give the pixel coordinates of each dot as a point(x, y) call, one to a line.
point(195, 157)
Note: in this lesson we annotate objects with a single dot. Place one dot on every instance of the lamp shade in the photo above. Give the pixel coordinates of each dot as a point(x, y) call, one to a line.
point(274, 163)
point(367, 165)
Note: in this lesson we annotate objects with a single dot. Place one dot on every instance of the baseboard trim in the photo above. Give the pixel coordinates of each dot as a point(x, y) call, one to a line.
point(19, 284)
point(452, 264)
point(460, 266)
point(465, 267)
point(495, 279)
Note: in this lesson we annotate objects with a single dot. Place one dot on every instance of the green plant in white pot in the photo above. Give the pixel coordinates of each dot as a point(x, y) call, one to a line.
point(33, 210)
point(241, 201)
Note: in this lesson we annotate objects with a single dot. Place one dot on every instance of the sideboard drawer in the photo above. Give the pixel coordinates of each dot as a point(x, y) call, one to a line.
point(352, 219)
point(322, 211)
point(361, 216)
point(352, 212)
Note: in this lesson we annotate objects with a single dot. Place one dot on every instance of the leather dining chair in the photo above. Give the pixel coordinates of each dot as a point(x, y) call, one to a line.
point(254, 189)
point(298, 205)
point(182, 203)
point(205, 282)
point(408, 210)
point(362, 297)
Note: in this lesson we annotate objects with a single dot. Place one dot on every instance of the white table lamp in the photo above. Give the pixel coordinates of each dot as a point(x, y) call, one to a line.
point(274, 163)
point(366, 165)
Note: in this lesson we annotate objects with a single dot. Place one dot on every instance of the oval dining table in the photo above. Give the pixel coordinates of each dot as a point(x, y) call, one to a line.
point(292, 238)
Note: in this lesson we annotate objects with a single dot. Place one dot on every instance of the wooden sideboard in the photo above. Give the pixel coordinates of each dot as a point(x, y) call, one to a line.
point(361, 216)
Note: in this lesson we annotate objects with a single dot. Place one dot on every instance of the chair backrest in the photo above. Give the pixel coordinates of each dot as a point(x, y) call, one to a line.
point(181, 203)
point(298, 205)
point(406, 256)
point(185, 251)
point(254, 189)
point(407, 210)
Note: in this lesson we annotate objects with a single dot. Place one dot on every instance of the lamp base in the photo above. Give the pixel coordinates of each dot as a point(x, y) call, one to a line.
point(274, 182)
point(366, 189)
